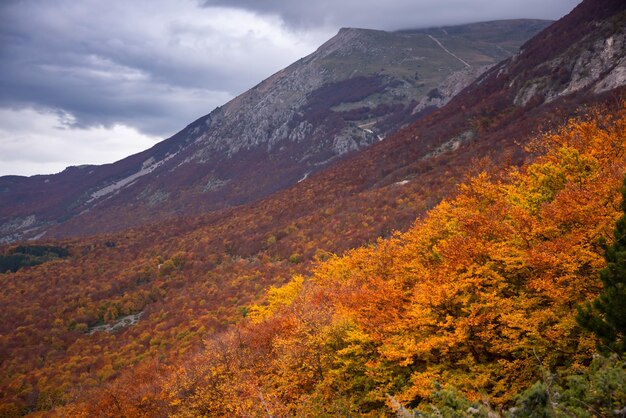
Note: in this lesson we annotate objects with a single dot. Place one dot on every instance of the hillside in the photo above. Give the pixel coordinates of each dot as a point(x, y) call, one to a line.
point(466, 310)
point(188, 280)
point(352, 92)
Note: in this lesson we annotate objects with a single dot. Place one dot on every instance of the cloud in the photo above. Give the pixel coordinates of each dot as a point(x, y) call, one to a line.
point(398, 14)
point(155, 65)
point(36, 142)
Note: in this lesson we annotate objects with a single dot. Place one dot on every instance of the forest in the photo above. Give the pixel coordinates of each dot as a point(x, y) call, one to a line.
point(506, 299)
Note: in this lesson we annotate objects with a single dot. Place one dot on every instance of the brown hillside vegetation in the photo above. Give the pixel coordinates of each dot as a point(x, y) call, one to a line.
point(480, 295)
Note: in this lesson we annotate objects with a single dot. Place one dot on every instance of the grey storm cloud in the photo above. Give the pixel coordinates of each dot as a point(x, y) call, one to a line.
point(399, 14)
point(154, 65)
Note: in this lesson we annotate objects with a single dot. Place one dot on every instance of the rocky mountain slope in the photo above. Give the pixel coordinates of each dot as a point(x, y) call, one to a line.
point(352, 92)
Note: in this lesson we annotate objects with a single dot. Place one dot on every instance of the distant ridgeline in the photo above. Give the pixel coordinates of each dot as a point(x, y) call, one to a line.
point(29, 255)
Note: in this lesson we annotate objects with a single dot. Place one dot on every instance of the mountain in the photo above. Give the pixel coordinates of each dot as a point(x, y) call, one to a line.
point(578, 60)
point(178, 291)
point(352, 92)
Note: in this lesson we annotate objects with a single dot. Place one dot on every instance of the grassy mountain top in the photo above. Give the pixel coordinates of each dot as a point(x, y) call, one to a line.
point(416, 60)
point(509, 34)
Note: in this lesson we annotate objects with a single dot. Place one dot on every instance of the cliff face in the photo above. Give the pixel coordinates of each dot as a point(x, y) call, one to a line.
point(596, 64)
point(352, 92)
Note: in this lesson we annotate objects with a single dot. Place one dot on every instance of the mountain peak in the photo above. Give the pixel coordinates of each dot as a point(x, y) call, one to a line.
point(347, 38)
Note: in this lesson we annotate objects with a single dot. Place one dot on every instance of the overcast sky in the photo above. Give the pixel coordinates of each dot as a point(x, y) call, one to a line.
point(93, 81)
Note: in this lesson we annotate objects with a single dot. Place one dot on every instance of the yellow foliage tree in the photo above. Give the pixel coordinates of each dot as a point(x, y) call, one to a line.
point(277, 297)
